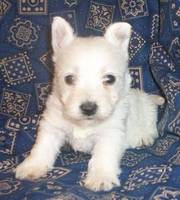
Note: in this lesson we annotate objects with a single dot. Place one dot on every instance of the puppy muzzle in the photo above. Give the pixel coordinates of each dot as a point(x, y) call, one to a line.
point(88, 108)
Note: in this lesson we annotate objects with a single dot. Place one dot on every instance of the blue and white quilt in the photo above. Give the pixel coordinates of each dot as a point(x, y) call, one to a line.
point(25, 80)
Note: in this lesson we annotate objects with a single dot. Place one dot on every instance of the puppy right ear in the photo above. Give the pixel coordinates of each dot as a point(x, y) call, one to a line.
point(119, 34)
point(62, 33)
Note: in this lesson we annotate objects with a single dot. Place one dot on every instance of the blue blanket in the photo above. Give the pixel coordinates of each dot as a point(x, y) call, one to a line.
point(25, 80)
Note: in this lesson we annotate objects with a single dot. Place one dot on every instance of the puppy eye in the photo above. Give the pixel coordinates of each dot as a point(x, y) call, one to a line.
point(109, 79)
point(69, 79)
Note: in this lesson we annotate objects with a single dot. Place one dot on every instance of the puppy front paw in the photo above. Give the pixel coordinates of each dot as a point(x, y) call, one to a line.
point(30, 170)
point(98, 180)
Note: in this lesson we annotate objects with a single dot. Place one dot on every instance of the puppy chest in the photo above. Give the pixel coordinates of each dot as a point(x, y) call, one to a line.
point(82, 140)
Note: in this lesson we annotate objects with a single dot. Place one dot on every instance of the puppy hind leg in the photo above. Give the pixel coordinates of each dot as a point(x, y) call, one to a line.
point(156, 99)
point(151, 130)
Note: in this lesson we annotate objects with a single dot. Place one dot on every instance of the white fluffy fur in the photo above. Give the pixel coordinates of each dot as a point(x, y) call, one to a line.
point(125, 117)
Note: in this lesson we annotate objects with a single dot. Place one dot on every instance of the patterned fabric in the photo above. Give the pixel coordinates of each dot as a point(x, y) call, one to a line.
point(25, 81)
point(165, 64)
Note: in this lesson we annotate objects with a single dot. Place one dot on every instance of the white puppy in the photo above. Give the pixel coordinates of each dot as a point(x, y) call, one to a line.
point(92, 106)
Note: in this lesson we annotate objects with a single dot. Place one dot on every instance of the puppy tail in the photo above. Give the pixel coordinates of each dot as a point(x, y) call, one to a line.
point(158, 100)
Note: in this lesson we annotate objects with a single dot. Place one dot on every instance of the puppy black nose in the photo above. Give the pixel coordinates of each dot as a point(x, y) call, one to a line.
point(88, 108)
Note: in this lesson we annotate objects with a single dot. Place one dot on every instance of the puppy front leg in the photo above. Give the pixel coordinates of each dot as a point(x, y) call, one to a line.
point(43, 154)
point(103, 168)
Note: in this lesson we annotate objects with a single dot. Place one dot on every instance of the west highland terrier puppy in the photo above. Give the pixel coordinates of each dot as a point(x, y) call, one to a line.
point(91, 106)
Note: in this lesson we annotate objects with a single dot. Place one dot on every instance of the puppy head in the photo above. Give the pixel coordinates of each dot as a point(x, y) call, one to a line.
point(91, 74)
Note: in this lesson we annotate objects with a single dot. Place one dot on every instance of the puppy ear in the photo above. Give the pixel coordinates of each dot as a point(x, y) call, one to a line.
point(119, 34)
point(62, 33)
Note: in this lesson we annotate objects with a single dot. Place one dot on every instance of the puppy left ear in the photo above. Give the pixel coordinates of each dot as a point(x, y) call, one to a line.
point(62, 33)
point(119, 34)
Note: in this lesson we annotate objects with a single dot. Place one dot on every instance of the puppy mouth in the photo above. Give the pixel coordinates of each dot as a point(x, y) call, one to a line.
point(89, 118)
point(93, 119)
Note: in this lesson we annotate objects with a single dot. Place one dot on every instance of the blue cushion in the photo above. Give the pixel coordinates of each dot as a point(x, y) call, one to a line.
point(25, 80)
